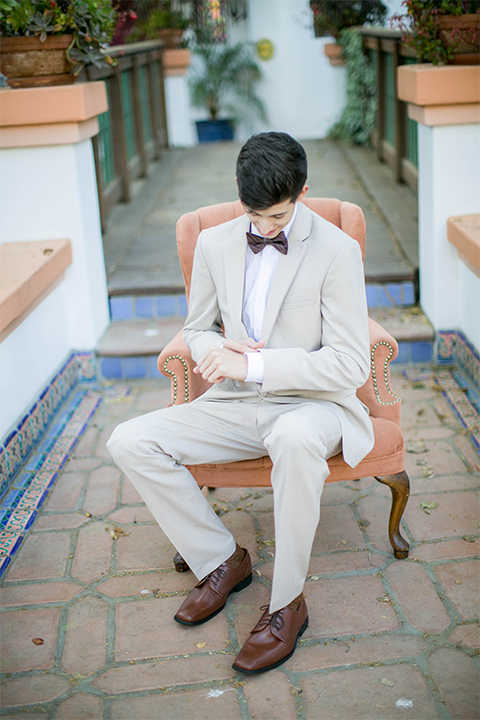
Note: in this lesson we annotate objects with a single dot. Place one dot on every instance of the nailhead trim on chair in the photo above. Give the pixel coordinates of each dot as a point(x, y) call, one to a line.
point(175, 379)
point(374, 375)
point(385, 374)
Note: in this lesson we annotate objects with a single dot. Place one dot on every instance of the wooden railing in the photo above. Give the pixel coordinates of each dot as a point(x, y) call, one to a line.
point(395, 137)
point(133, 131)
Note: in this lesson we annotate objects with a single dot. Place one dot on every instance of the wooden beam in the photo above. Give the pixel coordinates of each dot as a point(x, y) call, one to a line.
point(137, 111)
point(119, 137)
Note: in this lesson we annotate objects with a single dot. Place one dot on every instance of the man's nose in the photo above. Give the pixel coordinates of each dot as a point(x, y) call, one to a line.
point(265, 226)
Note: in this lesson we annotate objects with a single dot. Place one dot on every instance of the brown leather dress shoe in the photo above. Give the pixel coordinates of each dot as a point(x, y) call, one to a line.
point(209, 596)
point(273, 640)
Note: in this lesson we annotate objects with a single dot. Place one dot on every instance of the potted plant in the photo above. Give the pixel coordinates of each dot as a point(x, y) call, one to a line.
point(330, 17)
point(48, 42)
point(442, 31)
point(224, 83)
point(158, 21)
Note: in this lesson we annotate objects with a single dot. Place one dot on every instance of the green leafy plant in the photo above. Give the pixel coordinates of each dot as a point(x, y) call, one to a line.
point(357, 120)
point(154, 17)
point(7, 5)
point(91, 22)
point(330, 17)
point(225, 81)
point(421, 29)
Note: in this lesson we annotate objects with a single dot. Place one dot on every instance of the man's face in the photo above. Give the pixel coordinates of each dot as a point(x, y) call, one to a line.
point(272, 220)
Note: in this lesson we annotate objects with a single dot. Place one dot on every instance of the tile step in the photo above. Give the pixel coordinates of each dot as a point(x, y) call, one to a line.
point(129, 348)
point(138, 306)
point(411, 329)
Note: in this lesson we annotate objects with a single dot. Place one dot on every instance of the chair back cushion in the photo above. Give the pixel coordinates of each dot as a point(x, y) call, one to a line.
point(345, 215)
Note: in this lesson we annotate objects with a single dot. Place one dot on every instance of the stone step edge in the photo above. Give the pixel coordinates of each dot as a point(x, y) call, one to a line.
point(131, 306)
point(126, 351)
point(129, 367)
point(148, 336)
point(380, 278)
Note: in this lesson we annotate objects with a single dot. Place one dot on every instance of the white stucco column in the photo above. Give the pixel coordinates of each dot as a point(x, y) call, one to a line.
point(48, 192)
point(449, 184)
point(445, 101)
point(181, 127)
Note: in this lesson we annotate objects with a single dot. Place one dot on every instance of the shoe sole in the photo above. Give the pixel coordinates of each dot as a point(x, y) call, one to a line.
point(241, 586)
point(280, 662)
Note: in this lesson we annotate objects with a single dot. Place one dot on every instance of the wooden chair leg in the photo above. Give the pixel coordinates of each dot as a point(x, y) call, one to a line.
point(399, 484)
point(180, 564)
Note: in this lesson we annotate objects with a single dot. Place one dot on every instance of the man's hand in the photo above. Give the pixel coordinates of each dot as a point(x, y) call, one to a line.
point(220, 363)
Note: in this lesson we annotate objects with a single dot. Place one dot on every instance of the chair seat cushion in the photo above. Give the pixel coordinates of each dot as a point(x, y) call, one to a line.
point(387, 457)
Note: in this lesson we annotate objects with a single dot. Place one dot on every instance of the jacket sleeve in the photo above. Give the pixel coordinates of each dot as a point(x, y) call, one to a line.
point(203, 327)
point(342, 362)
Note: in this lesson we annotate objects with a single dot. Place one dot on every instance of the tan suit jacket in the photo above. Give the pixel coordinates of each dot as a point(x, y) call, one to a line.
point(315, 328)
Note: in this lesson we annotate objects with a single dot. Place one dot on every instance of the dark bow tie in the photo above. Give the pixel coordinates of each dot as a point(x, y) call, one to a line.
point(257, 243)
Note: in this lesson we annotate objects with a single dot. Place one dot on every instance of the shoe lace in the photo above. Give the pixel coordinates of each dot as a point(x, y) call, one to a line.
point(215, 576)
point(275, 619)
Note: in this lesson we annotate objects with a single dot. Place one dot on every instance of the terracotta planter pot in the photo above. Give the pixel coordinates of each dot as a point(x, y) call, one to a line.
point(334, 52)
point(461, 34)
point(27, 62)
point(176, 61)
point(172, 37)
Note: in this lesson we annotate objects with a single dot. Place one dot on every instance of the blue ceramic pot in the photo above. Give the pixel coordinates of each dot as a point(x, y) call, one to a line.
point(214, 130)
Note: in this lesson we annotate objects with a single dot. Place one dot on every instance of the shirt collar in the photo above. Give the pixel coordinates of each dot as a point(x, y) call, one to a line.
point(286, 229)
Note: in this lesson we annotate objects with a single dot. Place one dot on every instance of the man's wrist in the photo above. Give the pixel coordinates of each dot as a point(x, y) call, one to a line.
point(255, 367)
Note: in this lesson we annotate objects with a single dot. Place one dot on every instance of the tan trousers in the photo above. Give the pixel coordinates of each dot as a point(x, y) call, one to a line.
point(299, 438)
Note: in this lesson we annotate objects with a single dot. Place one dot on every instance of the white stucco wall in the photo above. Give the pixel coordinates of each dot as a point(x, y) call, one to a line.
point(302, 92)
point(449, 185)
point(49, 193)
point(31, 355)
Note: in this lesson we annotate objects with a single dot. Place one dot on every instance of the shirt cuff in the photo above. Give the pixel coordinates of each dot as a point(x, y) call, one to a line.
point(255, 367)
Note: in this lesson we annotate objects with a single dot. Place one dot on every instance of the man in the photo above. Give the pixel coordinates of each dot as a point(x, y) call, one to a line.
point(278, 325)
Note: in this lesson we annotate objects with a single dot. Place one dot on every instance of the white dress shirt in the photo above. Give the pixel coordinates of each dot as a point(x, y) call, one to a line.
point(259, 270)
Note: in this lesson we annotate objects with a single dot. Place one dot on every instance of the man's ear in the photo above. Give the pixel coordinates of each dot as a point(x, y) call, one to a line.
point(303, 193)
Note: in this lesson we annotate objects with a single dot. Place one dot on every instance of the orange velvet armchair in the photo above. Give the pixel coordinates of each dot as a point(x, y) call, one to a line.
point(386, 461)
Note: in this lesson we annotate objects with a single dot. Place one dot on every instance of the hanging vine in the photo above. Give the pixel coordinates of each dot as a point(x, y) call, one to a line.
point(358, 117)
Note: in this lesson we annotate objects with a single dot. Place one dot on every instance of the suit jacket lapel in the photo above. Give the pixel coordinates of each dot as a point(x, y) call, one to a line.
point(287, 268)
point(234, 265)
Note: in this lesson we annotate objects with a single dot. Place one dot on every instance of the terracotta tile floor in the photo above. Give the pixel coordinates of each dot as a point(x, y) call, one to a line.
point(93, 581)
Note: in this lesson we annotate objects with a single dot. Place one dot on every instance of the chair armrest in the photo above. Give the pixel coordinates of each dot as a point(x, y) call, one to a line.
point(175, 361)
point(377, 393)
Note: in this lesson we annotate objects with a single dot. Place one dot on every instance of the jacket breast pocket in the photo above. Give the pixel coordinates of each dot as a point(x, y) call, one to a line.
point(300, 304)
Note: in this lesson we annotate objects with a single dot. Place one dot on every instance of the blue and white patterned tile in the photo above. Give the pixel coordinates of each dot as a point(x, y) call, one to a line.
point(86, 369)
point(446, 345)
point(33, 498)
point(23, 480)
point(9, 542)
point(18, 520)
point(45, 477)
